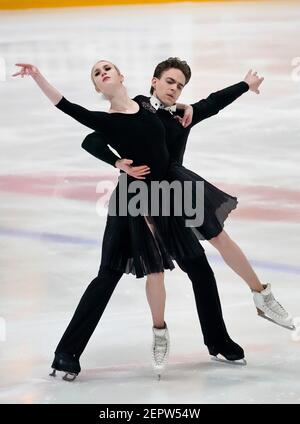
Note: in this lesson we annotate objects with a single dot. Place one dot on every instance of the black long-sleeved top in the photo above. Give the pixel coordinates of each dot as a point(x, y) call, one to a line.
point(139, 136)
point(176, 135)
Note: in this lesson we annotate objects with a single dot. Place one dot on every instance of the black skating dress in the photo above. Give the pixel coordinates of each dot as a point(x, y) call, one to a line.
point(128, 243)
point(217, 204)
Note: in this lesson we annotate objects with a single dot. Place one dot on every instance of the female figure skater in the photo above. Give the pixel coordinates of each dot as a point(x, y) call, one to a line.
point(136, 244)
point(169, 79)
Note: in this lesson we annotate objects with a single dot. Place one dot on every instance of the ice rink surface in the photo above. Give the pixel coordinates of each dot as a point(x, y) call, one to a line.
point(51, 234)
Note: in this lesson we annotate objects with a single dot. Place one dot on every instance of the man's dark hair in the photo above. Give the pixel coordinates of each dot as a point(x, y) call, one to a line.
point(172, 62)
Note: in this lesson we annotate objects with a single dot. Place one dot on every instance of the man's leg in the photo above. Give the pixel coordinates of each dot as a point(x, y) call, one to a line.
point(209, 309)
point(88, 313)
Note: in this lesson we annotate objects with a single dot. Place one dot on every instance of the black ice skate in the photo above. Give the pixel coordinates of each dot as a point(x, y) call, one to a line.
point(231, 353)
point(66, 363)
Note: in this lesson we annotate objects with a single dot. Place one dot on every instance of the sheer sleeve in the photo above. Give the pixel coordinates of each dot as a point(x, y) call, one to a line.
point(97, 145)
point(217, 101)
point(94, 120)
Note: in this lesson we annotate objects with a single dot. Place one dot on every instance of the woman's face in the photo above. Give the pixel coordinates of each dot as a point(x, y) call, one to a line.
point(106, 77)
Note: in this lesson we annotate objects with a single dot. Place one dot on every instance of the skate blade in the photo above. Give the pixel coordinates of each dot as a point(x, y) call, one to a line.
point(53, 374)
point(66, 376)
point(262, 315)
point(158, 373)
point(240, 362)
point(71, 378)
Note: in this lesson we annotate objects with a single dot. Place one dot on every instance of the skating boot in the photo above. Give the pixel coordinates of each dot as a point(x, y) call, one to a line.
point(160, 349)
point(231, 352)
point(271, 310)
point(67, 363)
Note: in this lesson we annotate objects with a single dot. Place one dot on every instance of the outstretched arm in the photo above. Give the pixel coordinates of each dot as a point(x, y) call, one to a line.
point(50, 91)
point(93, 120)
point(220, 99)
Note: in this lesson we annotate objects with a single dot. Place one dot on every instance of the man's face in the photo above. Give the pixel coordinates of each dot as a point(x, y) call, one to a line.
point(169, 86)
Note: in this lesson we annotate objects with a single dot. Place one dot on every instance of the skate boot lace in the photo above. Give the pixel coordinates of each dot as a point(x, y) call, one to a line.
point(275, 306)
point(160, 348)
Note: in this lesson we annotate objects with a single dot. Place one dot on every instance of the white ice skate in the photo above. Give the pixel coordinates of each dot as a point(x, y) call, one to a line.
point(271, 310)
point(160, 349)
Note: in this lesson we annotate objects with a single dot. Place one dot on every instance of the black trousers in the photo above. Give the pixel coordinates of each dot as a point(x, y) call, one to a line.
point(99, 291)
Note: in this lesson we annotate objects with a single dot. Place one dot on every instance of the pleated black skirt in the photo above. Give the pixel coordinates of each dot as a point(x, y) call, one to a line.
point(130, 246)
point(216, 203)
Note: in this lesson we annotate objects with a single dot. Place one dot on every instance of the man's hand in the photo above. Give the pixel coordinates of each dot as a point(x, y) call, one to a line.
point(134, 171)
point(253, 80)
point(187, 118)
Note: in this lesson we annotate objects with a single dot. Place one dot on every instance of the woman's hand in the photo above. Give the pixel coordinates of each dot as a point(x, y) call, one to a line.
point(26, 69)
point(253, 80)
point(187, 118)
point(134, 171)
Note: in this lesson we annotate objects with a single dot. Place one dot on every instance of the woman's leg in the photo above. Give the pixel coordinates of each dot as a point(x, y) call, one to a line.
point(235, 258)
point(156, 296)
point(155, 290)
point(267, 306)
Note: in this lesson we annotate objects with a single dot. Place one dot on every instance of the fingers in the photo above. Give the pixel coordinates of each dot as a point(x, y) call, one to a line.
point(259, 78)
point(24, 71)
point(187, 122)
point(139, 178)
point(139, 174)
point(136, 171)
point(248, 73)
point(140, 168)
point(21, 72)
point(259, 81)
